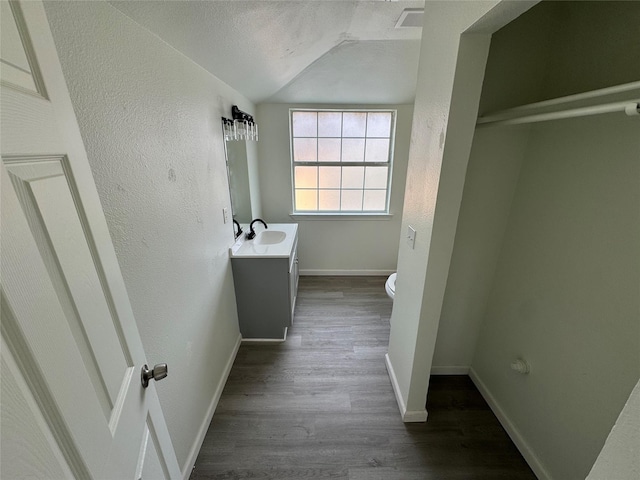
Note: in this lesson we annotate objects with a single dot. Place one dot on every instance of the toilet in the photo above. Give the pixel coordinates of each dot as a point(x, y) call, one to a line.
point(390, 285)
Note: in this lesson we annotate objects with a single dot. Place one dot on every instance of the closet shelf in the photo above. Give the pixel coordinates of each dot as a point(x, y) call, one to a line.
point(619, 98)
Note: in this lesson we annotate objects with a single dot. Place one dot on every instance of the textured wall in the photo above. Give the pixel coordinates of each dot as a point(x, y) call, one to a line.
point(562, 48)
point(515, 70)
point(492, 174)
point(565, 294)
point(620, 457)
point(331, 245)
point(544, 289)
point(150, 120)
point(447, 96)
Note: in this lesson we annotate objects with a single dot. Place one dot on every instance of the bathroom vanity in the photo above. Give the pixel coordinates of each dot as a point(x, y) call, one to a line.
point(265, 276)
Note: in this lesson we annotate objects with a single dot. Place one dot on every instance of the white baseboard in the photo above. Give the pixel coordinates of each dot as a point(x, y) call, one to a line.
point(197, 444)
point(408, 416)
point(524, 448)
point(262, 341)
point(347, 273)
point(452, 370)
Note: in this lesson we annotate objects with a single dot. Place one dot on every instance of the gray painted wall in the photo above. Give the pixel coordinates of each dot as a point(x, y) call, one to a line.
point(492, 173)
point(150, 120)
point(449, 86)
point(546, 262)
point(562, 48)
point(565, 294)
point(348, 245)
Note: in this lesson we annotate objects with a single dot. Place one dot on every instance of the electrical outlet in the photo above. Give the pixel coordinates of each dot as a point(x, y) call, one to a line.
point(225, 214)
point(411, 237)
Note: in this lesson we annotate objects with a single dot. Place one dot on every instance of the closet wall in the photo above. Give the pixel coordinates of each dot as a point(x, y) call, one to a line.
point(546, 263)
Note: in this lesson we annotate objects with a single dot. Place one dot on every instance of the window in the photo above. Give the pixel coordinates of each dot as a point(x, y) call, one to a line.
point(341, 160)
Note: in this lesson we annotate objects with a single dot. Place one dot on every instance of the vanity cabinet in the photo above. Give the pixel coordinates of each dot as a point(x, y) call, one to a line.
point(266, 291)
point(294, 276)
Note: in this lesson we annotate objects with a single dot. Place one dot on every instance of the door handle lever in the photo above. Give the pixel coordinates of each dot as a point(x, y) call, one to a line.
point(158, 373)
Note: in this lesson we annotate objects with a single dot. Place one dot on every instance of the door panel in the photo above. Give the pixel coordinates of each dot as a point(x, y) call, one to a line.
point(149, 464)
point(72, 346)
point(48, 205)
point(38, 334)
point(19, 67)
point(20, 416)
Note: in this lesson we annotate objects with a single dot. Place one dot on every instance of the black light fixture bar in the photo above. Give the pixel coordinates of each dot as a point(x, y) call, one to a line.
point(238, 114)
point(242, 127)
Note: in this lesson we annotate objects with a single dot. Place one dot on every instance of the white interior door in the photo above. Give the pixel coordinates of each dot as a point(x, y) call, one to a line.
point(72, 401)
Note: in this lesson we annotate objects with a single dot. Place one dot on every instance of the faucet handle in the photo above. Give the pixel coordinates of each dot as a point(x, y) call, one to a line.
point(239, 231)
point(252, 232)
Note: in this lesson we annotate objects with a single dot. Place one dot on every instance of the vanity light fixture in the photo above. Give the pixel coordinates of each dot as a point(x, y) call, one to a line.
point(242, 127)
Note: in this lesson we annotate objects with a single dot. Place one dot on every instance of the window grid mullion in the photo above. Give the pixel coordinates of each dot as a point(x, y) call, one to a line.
point(317, 188)
point(340, 163)
point(364, 154)
point(317, 168)
point(341, 136)
point(341, 166)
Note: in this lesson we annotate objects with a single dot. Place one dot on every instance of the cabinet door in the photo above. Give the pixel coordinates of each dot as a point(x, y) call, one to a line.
point(294, 275)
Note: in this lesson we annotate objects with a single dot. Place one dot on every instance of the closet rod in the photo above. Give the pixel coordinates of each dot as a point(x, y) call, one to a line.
point(631, 107)
point(516, 111)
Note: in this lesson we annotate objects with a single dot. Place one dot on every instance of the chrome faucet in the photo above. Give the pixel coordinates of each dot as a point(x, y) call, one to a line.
point(252, 232)
point(238, 232)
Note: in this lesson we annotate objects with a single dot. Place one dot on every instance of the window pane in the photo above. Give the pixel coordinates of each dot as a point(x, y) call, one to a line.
point(329, 177)
point(377, 150)
point(329, 124)
point(306, 177)
point(376, 177)
point(354, 124)
point(352, 177)
point(327, 139)
point(306, 199)
point(351, 200)
point(305, 124)
point(328, 149)
point(329, 199)
point(375, 200)
point(305, 149)
point(353, 150)
point(379, 124)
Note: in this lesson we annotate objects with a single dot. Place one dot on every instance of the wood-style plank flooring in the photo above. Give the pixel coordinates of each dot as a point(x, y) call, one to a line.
point(321, 404)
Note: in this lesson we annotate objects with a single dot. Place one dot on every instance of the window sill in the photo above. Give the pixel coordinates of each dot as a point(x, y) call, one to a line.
point(341, 216)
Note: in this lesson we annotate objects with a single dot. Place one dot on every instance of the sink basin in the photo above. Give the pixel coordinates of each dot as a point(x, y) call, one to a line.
point(275, 242)
point(269, 237)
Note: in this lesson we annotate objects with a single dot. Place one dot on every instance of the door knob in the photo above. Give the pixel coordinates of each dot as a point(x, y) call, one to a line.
point(158, 373)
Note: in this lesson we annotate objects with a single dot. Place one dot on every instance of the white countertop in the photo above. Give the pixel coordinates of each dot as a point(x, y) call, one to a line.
point(244, 248)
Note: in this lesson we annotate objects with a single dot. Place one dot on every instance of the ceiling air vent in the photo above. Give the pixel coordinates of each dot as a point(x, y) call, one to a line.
point(411, 18)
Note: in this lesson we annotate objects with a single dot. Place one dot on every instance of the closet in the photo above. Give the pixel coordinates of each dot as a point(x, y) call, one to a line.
point(547, 249)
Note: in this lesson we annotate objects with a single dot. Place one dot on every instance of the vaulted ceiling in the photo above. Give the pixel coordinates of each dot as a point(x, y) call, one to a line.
point(293, 51)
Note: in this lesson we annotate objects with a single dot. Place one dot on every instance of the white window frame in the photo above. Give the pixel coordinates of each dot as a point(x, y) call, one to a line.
point(389, 164)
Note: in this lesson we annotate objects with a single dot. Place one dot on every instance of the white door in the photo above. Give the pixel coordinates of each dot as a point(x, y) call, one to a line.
point(72, 400)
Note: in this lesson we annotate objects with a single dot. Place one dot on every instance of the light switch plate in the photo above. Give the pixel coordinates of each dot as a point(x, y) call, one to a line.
point(225, 214)
point(411, 237)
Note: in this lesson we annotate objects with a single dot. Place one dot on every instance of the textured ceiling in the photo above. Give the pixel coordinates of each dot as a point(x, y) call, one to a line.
point(313, 51)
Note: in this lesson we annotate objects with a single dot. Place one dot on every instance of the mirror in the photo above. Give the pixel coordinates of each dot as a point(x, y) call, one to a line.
point(242, 174)
point(238, 175)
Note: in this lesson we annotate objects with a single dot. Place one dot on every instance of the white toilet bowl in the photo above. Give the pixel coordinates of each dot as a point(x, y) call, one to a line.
point(390, 285)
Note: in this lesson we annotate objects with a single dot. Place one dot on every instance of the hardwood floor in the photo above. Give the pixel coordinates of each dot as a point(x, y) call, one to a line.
point(321, 404)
